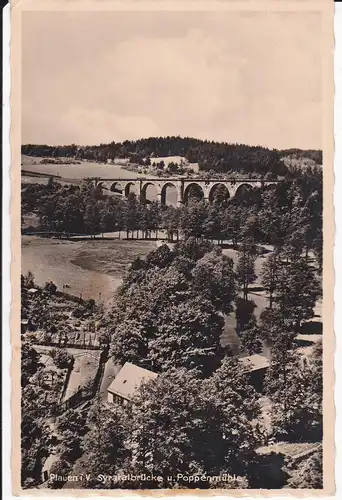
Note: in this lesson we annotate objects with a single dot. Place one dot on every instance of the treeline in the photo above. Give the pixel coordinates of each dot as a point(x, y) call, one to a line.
point(49, 151)
point(286, 214)
point(210, 155)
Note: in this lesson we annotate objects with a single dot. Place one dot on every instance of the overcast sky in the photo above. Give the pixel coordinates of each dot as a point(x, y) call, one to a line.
point(95, 77)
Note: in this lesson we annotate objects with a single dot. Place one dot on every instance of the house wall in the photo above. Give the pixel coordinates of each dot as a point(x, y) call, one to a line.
point(256, 378)
point(115, 398)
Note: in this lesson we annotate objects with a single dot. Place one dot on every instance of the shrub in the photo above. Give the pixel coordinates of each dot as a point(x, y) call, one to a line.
point(50, 287)
point(78, 312)
point(90, 304)
point(61, 468)
point(44, 338)
point(61, 357)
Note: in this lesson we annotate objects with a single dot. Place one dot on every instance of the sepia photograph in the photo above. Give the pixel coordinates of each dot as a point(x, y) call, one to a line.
point(171, 314)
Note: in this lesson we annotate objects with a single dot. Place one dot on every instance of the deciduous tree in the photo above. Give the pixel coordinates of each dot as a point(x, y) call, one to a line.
point(246, 268)
point(251, 338)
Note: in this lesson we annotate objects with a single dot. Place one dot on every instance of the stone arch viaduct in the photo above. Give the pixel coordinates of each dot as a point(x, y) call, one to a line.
point(182, 186)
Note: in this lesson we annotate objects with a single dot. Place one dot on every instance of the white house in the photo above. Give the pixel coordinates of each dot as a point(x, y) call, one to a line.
point(127, 382)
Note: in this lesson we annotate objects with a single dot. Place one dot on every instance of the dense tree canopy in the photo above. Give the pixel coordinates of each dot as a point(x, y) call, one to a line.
point(294, 385)
point(40, 389)
point(169, 311)
point(177, 424)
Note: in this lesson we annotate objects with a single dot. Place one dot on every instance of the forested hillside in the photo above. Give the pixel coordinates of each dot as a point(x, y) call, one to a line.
point(210, 155)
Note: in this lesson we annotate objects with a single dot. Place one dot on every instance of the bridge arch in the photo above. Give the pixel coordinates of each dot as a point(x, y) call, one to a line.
point(101, 185)
point(269, 186)
point(163, 193)
point(143, 194)
point(128, 188)
point(215, 190)
point(243, 188)
point(193, 189)
point(117, 187)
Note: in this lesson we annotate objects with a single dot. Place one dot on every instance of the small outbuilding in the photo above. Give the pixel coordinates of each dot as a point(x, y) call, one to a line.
point(256, 366)
point(51, 459)
point(24, 326)
point(127, 382)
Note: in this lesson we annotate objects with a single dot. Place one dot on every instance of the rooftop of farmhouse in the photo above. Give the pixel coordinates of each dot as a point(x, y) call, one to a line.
point(129, 379)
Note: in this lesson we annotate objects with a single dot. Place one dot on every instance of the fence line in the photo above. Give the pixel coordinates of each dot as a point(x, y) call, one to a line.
point(306, 453)
point(67, 378)
point(69, 296)
point(72, 345)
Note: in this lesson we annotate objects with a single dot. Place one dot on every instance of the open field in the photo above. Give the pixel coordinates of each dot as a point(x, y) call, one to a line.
point(44, 179)
point(92, 169)
point(36, 173)
point(77, 171)
point(90, 268)
point(28, 179)
point(175, 159)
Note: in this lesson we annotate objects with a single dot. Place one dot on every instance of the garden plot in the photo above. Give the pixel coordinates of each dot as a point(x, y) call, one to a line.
point(54, 377)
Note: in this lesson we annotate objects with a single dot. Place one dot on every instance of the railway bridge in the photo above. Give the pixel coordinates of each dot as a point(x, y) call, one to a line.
point(183, 186)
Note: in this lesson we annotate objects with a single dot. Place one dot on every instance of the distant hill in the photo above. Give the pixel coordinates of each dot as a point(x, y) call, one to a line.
point(312, 154)
point(302, 159)
point(211, 156)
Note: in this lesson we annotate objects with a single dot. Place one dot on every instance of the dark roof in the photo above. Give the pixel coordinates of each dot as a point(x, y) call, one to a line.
point(129, 379)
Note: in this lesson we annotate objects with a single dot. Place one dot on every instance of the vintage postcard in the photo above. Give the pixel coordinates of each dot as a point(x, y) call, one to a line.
point(172, 248)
